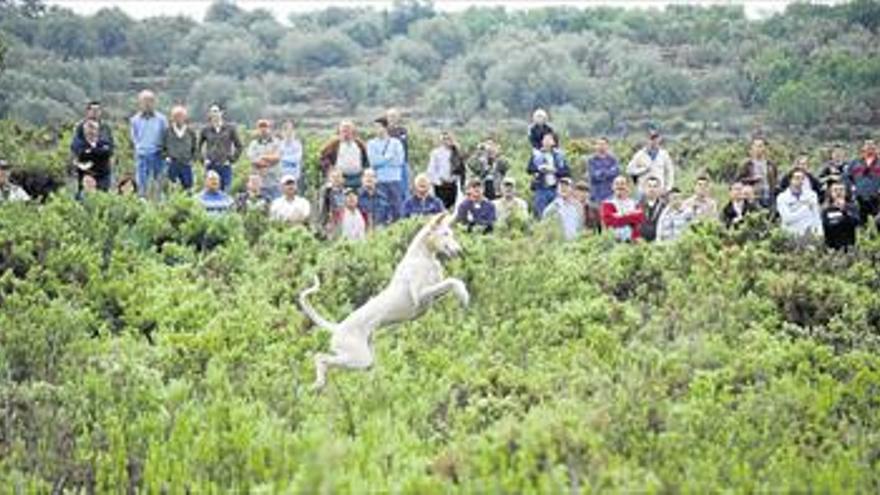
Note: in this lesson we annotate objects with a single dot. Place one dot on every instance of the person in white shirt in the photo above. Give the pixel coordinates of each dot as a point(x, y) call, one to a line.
point(652, 160)
point(446, 170)
point(351, 221)
point(289, 207)
point(798, 207)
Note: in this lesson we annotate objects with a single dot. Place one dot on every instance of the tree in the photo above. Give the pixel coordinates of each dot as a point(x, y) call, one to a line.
point(455, 96)
point(797, 104)
point(347, 84)
point(366, 30)
point(223, 11)
point(230, 57)
point(306, 53)
point(2, 55)
point(111, 27)
point(67, 34)
point(445, 35)
point(417, 55)
point(405, 12)
point(653, 85)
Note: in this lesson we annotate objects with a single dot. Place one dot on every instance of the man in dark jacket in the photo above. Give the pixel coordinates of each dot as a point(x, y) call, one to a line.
point(180, 148)
point(840, 218)
point(652, 205)
point(94, 156)
point(761, 173)
point(863, 178)
point(220, 146)
point(476, 212)
point(738, 207)
point(93, 113)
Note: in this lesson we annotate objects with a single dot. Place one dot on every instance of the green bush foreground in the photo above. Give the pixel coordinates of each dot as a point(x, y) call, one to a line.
point(153, 348)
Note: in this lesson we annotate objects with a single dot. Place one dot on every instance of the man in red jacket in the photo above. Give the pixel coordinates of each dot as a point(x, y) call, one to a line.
point(621, 214)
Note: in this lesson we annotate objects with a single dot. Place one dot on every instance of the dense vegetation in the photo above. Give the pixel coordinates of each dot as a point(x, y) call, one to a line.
point(154, 347)
point(814, 68)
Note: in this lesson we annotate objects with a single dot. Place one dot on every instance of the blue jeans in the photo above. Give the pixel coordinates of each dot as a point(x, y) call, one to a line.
point(393, 193)
point(181, 173)
point(225, 172)
point(543, 197)
point(149, 167)
point(405, 192)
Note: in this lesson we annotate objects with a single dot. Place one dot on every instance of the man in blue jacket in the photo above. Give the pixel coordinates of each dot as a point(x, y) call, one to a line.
point(147, 130)
point(602, 168)
point(546, 167)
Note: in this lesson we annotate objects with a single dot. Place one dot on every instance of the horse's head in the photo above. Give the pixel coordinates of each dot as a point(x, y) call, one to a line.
point(440, 238)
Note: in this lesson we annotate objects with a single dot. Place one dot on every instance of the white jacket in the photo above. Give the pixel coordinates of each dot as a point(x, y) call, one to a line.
point(800, 215)
point(662, 167)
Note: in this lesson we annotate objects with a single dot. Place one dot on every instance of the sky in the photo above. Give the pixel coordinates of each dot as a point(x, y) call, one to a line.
point(195, 9)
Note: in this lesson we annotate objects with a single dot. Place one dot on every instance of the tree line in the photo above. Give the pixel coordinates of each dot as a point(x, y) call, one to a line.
point(711, 69)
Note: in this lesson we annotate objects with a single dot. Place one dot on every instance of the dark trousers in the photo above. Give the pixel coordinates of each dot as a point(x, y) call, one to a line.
point(181, 173)
point(447, 193)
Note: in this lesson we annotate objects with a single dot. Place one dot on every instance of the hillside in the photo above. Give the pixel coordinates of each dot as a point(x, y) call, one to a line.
point(150, 347)
point(814, 69)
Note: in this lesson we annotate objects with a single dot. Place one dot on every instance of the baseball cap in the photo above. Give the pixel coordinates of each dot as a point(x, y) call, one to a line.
point(288, 178)
point(565, 180)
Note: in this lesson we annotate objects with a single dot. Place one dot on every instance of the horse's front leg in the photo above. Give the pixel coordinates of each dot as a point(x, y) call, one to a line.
point(451, 284)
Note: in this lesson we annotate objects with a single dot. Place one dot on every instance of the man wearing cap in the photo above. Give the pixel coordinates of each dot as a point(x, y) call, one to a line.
point(220, 146)
point(566, 210)
point(863, 178)
point(147, 130)
point(213, 199)
point(180, 147)
point(9, 192)
point(509, 206)
point(347, 153)
point(264, 153)
point(373, 202)
point(289, 207)
point(546, 166)
point(476, 211)
point(422, 201)
point(652, 160)
point(387, 159)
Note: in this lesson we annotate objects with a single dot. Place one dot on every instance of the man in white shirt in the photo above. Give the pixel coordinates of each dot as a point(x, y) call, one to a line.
point(798, 208)
point(652, 160)
point(264, 153)
point(289, 207)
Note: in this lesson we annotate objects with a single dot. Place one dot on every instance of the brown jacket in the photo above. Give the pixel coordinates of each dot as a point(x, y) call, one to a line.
point(331, 149)
point(746, 174)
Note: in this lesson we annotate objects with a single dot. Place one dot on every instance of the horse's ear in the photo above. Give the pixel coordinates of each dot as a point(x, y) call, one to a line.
point(437, 220)
point(448, 219)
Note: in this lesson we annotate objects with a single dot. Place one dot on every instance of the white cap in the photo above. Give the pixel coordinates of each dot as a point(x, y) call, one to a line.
point(287, 178)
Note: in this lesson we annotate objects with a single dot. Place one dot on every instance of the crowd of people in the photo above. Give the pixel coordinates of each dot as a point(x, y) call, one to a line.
point(366, 185)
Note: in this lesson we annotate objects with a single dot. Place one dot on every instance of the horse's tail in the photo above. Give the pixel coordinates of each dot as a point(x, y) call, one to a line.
point(310, 311)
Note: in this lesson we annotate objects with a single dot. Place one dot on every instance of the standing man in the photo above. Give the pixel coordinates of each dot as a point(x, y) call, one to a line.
point(220, 146)
point(93, 113)
point(387, 158)
point(93, 159)
point(264, 153)
point(760, 173)
point(180, 147)
point(863, 178)
point(547, 166)
point(652, 205)
point(652, 160)
point(147, 132)
point(602, 168)
point(489, 166)
point(396, 130)
point(346, 153)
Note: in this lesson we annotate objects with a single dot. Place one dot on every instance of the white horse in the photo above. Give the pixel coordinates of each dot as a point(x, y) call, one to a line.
point(417, 281)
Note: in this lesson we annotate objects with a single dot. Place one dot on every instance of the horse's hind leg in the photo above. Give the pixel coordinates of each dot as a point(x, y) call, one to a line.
point(359, 359)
